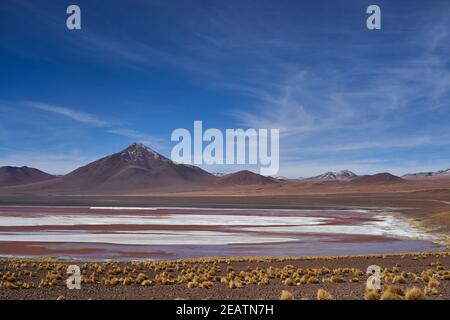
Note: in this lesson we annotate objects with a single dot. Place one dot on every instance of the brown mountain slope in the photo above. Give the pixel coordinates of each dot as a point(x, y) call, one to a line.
point(133, 170)
point(244, 177)
point(13, 176)
point(379, 178)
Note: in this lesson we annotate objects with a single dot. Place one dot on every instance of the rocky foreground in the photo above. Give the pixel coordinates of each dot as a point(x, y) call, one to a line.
point(409, 276)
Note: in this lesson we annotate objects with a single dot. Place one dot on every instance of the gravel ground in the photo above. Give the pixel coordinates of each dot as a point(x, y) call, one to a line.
point(209, 278)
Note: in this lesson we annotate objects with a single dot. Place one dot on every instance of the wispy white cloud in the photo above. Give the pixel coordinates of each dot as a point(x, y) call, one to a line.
point(98, 122)
point(360, 107)
point(300, 105)
point(69, 113)
point(385, 144)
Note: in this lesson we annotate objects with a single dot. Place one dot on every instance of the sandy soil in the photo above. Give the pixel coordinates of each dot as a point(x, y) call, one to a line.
point(212, 278)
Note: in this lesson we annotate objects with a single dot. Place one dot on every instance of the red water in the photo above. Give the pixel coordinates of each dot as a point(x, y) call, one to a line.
point(309, 243)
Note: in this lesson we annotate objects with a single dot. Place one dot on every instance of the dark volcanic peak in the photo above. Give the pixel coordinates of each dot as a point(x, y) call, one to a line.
point(13, 176)
point(341, 175)
point(138, 152)
point(136, 167)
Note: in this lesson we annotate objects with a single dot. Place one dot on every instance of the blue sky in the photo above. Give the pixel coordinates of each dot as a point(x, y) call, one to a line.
point(343, 97)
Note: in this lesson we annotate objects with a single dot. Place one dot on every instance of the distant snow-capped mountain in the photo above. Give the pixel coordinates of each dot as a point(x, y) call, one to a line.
point(219, 174)
point(331, 175)
point(440, 173)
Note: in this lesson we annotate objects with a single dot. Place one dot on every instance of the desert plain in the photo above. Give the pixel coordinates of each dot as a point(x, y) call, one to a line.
point(34, 271)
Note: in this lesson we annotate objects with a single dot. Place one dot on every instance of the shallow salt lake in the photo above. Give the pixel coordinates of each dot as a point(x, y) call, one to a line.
point(164, 232)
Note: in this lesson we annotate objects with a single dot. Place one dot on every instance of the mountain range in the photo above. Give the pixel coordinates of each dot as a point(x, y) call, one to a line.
point(134, 169)
point(341, 175)
point(12, 176)
point(440, 173)
point(138, 169)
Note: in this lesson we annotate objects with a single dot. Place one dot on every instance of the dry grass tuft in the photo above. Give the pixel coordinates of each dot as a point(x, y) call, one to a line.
point(372, 295)
point(414, 293)
point(141, 277)
point(389, 295)
point(433, 282)
point(429, 291)
point(399, 279)
point(394, 289)
point(286, 295)
point(337, 279)
point(324, 295)
point(313, 280)
point(146, 283)
point(10, 285)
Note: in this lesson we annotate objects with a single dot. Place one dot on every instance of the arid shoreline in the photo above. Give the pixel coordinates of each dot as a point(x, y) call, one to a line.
point(228, 279)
